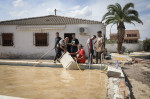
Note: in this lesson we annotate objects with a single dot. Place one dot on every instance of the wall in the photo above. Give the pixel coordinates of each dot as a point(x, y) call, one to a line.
point(130, 47)
point(23, 40)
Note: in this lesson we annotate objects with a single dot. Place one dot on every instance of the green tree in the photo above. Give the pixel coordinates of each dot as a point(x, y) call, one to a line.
point(146, 44)
point(119, 15)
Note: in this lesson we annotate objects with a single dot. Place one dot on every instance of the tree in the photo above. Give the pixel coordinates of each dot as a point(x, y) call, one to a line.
point(119, 15)
point(146, 44)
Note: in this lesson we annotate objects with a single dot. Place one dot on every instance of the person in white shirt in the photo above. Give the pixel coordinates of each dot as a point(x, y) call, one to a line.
point(61, 46)
point(90, 46)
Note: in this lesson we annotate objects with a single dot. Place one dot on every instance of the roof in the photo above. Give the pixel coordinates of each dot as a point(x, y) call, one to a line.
point(127, 32)
point(48, 20)
point(132, 32)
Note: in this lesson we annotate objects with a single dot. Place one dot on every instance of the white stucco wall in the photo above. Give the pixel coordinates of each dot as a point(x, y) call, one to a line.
point(130, 47)
point(23, 40)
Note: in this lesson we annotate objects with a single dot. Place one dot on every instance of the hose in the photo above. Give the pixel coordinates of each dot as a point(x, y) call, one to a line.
point(102, 60)
point(102, 71)
point(90, 60)
point(78, 64)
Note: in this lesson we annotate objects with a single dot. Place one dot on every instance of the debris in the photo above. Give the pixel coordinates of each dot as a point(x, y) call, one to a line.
point(140, 60)
point(128, 63)
point(113, 72)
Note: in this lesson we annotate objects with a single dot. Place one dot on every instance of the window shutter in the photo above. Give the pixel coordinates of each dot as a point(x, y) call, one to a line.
point(47, 39)
point(33, 38)
point(12, 43)
point(0, 39)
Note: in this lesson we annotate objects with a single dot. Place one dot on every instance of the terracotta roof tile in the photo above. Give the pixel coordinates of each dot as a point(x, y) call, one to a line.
point(48, 20)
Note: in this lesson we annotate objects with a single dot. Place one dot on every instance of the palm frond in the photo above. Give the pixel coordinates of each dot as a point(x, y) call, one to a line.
point(117, 14)
point(128, 20)
point(107, 14)
point(110, 17)
point(127, 6)
point(131, 23)
point(110, 20)
point(132, 12)
point(119, 10)
point(118, 6)
point(112, 8)
point(134, 18)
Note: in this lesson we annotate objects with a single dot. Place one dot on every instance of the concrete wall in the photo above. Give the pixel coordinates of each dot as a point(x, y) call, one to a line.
point(23, 40)
point(130, 47)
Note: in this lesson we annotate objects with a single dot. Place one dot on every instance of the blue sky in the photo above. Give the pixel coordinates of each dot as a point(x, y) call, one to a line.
point(88, 9)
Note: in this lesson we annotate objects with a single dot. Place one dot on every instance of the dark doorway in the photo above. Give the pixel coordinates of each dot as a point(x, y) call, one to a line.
point(70, 39)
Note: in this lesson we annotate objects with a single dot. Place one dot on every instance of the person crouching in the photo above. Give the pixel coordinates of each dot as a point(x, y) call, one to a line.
point(80, 54)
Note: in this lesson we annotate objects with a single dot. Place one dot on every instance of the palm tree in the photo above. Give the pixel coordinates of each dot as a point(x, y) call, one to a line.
point(118, 15)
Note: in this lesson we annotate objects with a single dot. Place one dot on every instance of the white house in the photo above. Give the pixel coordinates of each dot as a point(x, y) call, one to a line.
point(32, 37)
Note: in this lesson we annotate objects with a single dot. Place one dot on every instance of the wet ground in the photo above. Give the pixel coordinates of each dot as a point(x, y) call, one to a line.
point(52, 83)
point(139, 78)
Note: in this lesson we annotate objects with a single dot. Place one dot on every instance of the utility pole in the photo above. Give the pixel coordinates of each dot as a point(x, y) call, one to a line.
point(55, 11)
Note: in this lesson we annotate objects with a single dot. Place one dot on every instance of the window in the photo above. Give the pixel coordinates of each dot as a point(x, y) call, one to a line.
point(7, 39)
point(130, 41)
point(125, 41)
point(131, 35)
point(134, 35)
point(41, 39)
point(128, 35)
point(134, 41)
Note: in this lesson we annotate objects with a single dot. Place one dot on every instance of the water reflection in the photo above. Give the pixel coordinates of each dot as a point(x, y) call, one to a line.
point(66, 76)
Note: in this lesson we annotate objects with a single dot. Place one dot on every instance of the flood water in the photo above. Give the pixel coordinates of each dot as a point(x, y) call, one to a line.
point(52, 83)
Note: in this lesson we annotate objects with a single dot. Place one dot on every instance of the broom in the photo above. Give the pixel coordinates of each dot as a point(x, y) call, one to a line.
point(42, 57)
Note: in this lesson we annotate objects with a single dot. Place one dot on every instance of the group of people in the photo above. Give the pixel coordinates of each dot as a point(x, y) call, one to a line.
point(76, 50)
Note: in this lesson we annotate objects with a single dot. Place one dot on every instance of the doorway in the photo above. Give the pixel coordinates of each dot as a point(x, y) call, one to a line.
point(70, 39)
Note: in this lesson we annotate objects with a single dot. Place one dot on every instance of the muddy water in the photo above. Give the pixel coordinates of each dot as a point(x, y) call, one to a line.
point(51, 83)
